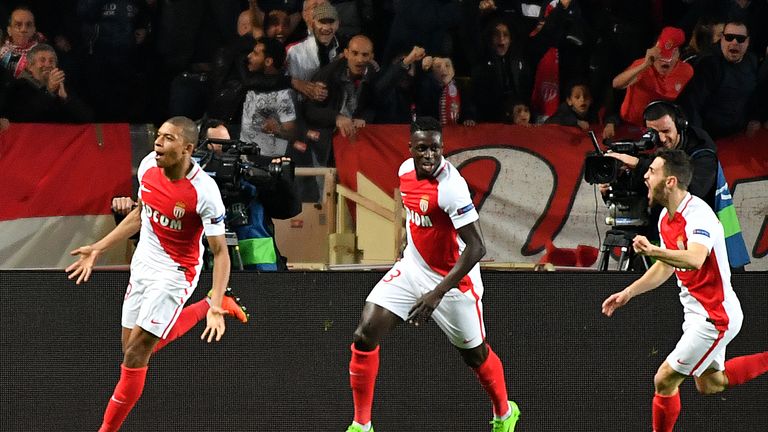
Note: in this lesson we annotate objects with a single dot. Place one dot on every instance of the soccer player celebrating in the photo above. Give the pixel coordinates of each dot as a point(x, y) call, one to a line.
point(438, 277)
point(178, 202)
point(693, 248)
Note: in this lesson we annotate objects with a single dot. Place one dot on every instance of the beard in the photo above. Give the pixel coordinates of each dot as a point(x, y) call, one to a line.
point(658, 195)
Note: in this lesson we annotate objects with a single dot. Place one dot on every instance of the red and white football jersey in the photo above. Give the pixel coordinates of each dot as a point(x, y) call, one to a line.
point(706, 291)
point(174, 216)
point(436, 208)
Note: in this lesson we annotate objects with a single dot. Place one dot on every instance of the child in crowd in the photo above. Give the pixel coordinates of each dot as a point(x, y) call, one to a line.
point(576, 110)
point(517, 112)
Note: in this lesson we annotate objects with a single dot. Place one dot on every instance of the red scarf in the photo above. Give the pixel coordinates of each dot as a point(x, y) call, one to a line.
point(450, 104)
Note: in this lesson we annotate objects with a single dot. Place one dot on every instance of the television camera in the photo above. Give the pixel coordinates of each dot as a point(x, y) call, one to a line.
point(626, 199)
point(238, 169)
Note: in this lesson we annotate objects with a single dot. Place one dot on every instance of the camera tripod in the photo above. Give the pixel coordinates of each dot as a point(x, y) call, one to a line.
point(623, 240)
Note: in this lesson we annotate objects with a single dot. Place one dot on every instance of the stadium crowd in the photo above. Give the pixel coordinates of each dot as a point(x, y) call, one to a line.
point(289, 74)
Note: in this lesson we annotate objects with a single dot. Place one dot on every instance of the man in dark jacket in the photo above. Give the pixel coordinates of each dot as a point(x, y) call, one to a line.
point(39, 94)
point(675, 133)
point(721, 97)
point(353, 87)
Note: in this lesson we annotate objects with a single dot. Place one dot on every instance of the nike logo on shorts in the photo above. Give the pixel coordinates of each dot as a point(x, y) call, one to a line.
point(155, 322)
point(682, 363)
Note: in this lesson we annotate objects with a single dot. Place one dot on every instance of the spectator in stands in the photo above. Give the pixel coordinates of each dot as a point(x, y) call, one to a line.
point(505, 75)
point(659, 75)
point(517, 112)
point(114, 57)
point(39, 94)
point(292, 9)
point(22, 36)
point(308, 11)
point(722, 95)
point(318, 49)
point(232, 80)
point(754, 14)
point(577, 109)
point(353, 88)
point(269, 118)
point(440, 96)
point(277, 25)
point(398, 103)
point(704, 40)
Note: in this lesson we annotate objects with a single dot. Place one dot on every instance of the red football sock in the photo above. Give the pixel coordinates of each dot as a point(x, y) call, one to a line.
point(127, 392)
point(665, 412)
point(742, 369)
point(188, 318)
point(491, 376)
point(363, 368)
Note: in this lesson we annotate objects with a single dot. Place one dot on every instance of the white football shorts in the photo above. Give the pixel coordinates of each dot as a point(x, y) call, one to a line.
point(702, 346)
point(459, 315)
point(154, 298)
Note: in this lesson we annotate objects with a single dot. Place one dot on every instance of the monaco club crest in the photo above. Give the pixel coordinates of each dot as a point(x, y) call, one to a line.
point(424, 203)
point(178, 210)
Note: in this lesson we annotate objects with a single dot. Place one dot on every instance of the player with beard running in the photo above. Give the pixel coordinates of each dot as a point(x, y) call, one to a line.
point(693, 248)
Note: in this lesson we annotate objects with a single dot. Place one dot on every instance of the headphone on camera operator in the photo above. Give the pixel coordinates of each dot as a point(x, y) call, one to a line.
point(654, 117)
point(668, 120)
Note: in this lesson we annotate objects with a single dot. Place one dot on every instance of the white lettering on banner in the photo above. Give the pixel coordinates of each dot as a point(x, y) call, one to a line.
point(418, 219)
point(163, 220)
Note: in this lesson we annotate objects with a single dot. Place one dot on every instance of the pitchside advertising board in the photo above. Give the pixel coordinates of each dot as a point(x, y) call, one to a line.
point(527, 183)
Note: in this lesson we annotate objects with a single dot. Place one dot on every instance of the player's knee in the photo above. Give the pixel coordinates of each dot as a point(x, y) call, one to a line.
point(662, 383)
point(136, 355)
point(363, 339)
point(474, 357)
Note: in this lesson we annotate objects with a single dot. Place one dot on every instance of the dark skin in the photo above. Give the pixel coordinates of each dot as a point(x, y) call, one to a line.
point(376, 322)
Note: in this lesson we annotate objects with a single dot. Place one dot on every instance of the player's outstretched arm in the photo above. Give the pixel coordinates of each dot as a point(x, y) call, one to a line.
point(473, 252)
point(655, 276)
point(88, 255)
point(214, 328)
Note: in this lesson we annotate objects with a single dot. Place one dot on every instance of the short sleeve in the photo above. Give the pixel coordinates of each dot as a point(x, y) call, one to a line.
point(211, 208)
point(455, 200)
point(702, 227)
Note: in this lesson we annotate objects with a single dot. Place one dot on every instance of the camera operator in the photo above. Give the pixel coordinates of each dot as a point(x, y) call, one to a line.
point(674, 132)
point(260, 203)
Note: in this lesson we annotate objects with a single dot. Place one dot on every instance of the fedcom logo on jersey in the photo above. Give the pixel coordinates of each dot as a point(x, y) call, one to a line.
point(163, 220)
point(418, 219)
